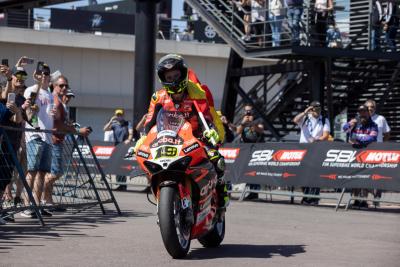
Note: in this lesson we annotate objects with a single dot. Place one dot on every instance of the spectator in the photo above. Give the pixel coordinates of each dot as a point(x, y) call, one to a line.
point(123, 132)
point(383, 133)
point(16, 86)
point(38, 144)
point(245, 7)
point(277, 13)
point(391, 24)
point(319, 21)
point(8, 113)
point(251, 130)
point(258, 12)
point(139, 129)
point(361, 131)
point(333, 37)
point(376, 25)
point(294, 12)
point(314, 127)
point(61, 126)
point(230, 128)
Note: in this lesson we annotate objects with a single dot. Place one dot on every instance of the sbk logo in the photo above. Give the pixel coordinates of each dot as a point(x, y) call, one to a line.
point(379, 156)
point(289, 155)
point(229, 153)
point(261, 155)
point(280, 155)
point(340, 156)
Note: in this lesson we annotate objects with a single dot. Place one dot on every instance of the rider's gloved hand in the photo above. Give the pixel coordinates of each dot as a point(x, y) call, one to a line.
point(211, 136)
point(139, 143)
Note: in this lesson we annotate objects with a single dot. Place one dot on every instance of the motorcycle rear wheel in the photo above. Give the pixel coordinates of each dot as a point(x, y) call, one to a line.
point(175, 231)
point(214, 238)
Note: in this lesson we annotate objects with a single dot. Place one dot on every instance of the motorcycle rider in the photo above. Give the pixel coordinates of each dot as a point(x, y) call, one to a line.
point(178, 94)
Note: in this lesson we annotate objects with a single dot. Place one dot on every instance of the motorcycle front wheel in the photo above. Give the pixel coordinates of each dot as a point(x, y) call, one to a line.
point(175, 231)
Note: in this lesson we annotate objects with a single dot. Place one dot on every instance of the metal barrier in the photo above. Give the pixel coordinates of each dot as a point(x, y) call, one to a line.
point(57, 176)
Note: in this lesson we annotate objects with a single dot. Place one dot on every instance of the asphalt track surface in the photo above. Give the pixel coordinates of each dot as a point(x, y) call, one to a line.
point(258, 234)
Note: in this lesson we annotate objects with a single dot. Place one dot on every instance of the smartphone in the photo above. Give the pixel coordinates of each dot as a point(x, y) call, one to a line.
point(27, 60)
point(11, 97)
point(39, 67)
point(4, 62)
point(33, 97)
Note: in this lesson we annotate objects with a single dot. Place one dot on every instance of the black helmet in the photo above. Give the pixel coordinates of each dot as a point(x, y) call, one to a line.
point(173, 62)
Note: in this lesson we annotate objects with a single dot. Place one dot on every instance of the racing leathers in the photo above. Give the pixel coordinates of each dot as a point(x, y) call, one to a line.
point(194, 92)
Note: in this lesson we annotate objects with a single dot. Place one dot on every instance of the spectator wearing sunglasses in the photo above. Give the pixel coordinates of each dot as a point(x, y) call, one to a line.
point(38, 144)
point(61, 127)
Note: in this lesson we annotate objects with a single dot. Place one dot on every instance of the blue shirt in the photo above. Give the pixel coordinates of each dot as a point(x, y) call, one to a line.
point(120, 130)
point(363, 134)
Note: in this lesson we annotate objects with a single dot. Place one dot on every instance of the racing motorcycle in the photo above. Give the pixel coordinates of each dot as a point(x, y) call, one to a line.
point(183, 181)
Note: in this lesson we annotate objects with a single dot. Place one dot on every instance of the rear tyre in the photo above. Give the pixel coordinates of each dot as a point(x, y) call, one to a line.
point(175, 231)
point(215, 236)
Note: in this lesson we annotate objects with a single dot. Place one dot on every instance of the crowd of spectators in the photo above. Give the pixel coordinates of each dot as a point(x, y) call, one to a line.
point(366, 127)
point(262, 22)
point(42, 106)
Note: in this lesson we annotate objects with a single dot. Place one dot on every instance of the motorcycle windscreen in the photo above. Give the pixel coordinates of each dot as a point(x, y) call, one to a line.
point(170, 122)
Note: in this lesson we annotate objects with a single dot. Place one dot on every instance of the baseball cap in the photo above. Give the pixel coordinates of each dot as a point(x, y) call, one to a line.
point(19, 70)
point(315, 104)
point(70, 93)
point(119, 111)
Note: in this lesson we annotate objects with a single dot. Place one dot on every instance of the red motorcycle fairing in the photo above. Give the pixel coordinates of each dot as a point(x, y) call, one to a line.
point(199, 178)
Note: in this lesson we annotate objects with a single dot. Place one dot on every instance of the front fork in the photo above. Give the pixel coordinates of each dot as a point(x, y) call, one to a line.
point(185, 199)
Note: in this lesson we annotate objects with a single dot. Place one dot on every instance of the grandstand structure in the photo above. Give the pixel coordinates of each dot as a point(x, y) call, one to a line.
point(340, 78)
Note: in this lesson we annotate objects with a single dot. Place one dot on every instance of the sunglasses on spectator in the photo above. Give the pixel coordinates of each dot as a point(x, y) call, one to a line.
point(20, 76)
point(63, 85)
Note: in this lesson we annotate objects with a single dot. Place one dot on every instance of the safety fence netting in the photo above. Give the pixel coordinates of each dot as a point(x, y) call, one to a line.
point(42, 172)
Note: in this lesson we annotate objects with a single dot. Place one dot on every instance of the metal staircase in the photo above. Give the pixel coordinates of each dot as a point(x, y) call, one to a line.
point(349, 76)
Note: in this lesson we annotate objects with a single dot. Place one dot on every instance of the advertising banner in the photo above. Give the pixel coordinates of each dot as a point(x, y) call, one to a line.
point(323, 164)
point(91, 21)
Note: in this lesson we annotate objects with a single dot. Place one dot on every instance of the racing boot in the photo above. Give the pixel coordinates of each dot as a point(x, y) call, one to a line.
point(219, 164)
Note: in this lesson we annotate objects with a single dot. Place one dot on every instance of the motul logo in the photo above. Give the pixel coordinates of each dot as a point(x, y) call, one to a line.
point(376, 156)
point(103, 150)
point(229, 153)
point(289, 155)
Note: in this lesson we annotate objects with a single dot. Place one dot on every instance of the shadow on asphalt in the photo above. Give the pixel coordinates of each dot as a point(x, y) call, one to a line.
point(59, 226)
point(245, 251)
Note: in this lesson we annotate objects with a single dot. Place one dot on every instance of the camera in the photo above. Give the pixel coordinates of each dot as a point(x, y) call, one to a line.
point(90, 129)
point(248, 112)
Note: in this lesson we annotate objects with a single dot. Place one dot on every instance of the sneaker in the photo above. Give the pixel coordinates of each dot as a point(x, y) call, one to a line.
point(46, 213)
point(18, 202)
point(57, 209)
point(28, 214)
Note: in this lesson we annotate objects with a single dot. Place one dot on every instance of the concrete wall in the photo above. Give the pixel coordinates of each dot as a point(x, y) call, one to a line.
point(101, 68)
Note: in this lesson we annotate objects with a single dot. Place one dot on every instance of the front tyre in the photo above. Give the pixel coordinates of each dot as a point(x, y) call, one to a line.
point(175, 231)
point(214, 238)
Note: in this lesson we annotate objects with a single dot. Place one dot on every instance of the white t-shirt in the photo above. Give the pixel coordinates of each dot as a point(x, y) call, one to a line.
point(312, 128)
point(109, 136)
point(383, 126)
point(257, 12)
point(44, 100)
